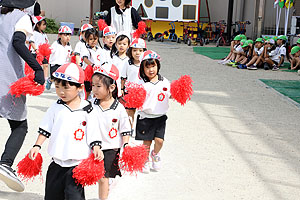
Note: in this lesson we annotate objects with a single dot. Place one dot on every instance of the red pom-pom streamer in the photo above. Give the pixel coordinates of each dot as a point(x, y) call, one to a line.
point(88, 72)
point(28, 69)
point(181, 89)
point(40, 58)
point(73, 59)
point(44, 49)
point(26, 85)
point(102, 24)
point(28, 169)
point(140, 30)
point(136, 95)
point(89, 171)
point(133, 159)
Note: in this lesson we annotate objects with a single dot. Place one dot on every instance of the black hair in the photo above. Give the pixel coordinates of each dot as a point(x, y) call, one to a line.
point(127, 3)
point(39, 24)
point(107, 81)
point(90, 32)
point(130, 56)
point(5, 10)
point(64, 82)
point(114, 49)
point(145, 63)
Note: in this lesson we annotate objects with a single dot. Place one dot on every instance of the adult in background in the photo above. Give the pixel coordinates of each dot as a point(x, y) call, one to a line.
point(123, 17)
point(15, 26)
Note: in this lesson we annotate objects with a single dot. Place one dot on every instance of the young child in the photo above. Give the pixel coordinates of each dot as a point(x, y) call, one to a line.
point(151, 120)
point(231, 56)
point(109, 38)
point(271, 54)
point(38, 38)
point(295, 63)
point(81, 45)
point(61, 52)
point(73, 131)
point(257, 58)
point(123, 17)
point(113, 119)
point(92, 54)
point(131, 69)
point(278, 59)
point(291, 57)
point(245, 54)
point(119, 54)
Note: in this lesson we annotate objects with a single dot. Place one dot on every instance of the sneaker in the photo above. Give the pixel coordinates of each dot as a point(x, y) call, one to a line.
point(275, 68)
point(252, 67)
point(146, 168)
point(221, 61)
point(234, 65)
point(8, 176)
point(298, 72)
point(48, 84)
point(241, 66)
point(266, 66)
point(230, 63)
point(156, 161)
point(225, 62)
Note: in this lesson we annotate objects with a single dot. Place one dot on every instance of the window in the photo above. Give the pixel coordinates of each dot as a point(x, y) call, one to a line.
point(189, 12)
point(176, 3)
point(162, 12)
point(148, 3)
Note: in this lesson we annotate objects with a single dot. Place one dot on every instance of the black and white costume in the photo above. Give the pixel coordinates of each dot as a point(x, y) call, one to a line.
point(114, 124)
point(152, 117)
point(72, 135)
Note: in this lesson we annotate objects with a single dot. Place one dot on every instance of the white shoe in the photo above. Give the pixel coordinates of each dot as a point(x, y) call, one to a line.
point(221, 61)
point(156, 161)
point(146, 169)
point(225, 62)
point(8, 176)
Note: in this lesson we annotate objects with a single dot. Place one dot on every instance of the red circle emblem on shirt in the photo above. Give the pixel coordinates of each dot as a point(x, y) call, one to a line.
point(113, 133)
point(161, 97)
point(98, 57)
point(78, 134)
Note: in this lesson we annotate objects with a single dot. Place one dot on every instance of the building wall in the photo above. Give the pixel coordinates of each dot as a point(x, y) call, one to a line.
point(68, 10)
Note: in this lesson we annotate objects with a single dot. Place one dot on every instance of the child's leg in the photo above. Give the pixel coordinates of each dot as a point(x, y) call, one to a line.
point(293, 62)
point(252, 61)
point(147, 143)
point(103, 188)
point(158, 145)
point(244, 61)
point(269, 61)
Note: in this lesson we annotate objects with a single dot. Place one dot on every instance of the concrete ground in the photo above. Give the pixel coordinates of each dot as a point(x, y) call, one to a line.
point(235, 139)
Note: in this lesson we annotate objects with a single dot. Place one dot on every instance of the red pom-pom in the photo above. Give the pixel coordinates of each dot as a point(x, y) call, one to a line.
point(89, 171)
point(102, 24)
point(136, 95)
point(133, 159)
point(73, 59)
point(44, 49)
point(181, 89)
point(88, 72)
point(28, 69)
point(40, 58)
point(28, 168)
point(26, 85)
point(140, 30)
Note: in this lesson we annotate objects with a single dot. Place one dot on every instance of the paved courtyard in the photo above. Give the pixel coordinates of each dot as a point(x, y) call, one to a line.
point(235, 139)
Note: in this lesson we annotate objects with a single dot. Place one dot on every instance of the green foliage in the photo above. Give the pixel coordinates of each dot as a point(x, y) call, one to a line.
point(52, 27)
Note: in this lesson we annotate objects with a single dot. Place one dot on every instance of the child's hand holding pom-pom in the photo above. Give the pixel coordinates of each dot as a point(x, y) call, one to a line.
point(136, 95)
point(89, 171)
point(133, 159)
point(181, 89)
point(28, 168)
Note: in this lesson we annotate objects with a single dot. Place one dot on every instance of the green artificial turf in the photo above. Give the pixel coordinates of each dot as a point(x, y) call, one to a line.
point(289, 88)
point(215, 53)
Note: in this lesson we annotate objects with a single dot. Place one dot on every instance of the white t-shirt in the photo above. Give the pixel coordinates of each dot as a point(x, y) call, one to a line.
point(70, 132)
point(96, 55)
point(119, 63)
point(80, 48)
point(275, 55)
point(259, 51)
point(60, 54)
point(38, 39)
point(114, 123)
point(157, 99)
point(131, 72)
point(239, 49)
point(24, 24)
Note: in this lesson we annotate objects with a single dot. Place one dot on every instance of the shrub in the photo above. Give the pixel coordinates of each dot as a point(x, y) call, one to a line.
point(52, 27)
